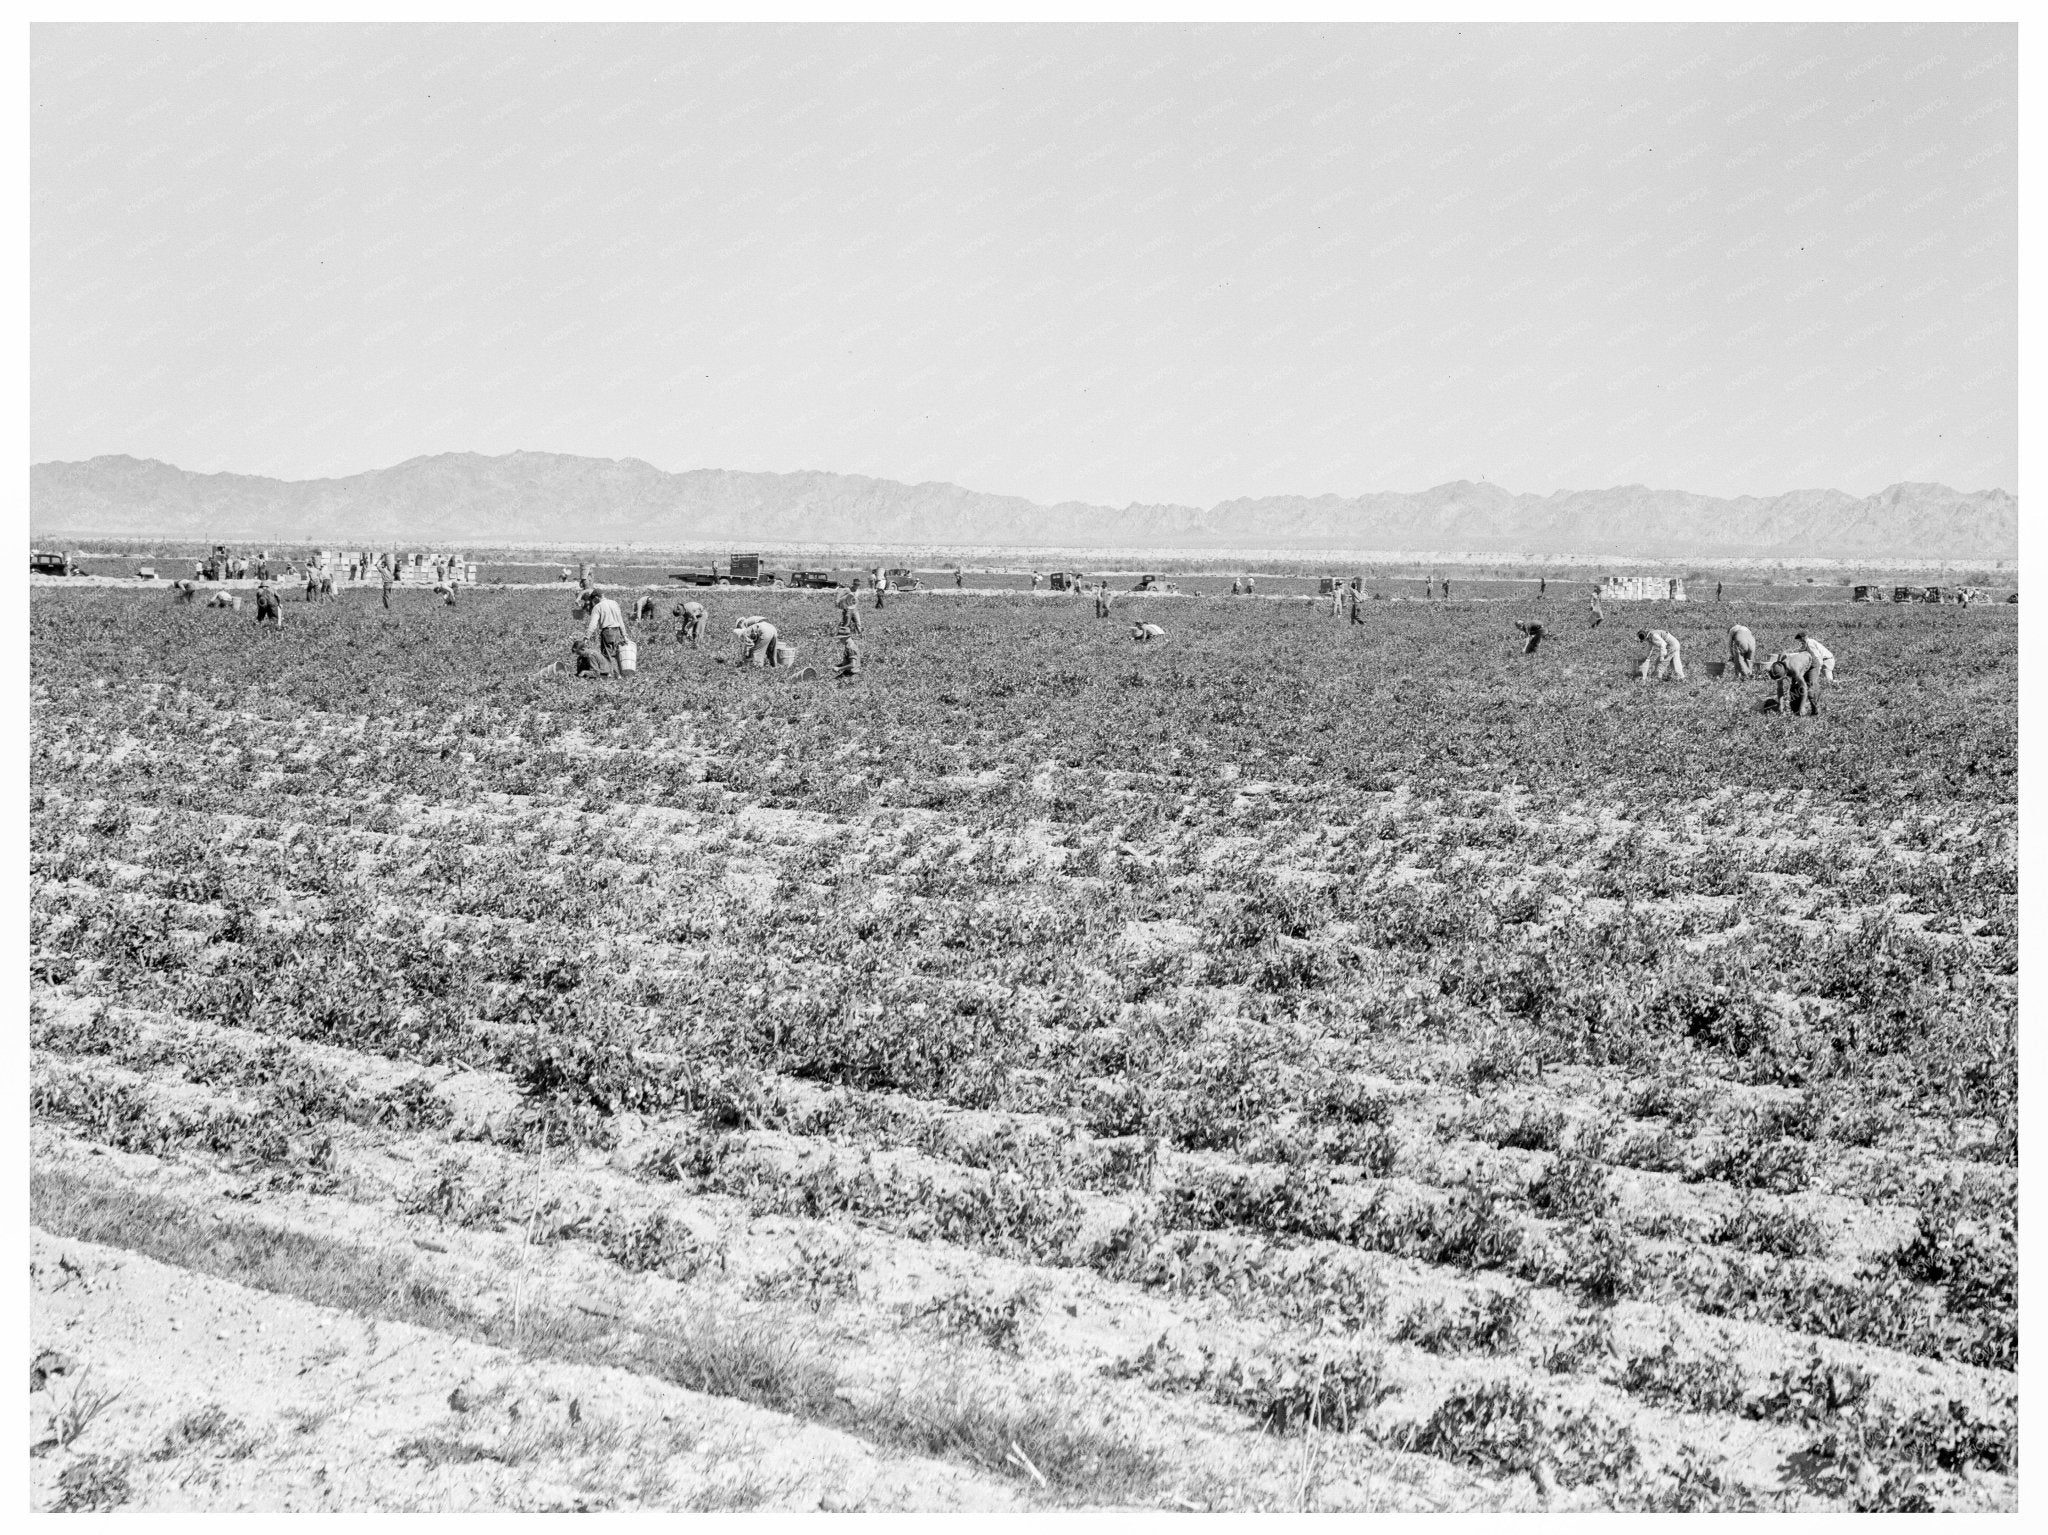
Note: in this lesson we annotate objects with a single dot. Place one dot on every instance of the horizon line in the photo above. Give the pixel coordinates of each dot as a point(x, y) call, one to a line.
point(1010, 495)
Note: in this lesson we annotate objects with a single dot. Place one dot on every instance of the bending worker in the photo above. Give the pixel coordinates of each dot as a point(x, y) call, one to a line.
point(849, 657)
point(268, 606)
point(1802, 670)
point(1664, 656)
point(1535, 633)
point(692, 615)
point(1819, 652)
point(608, 626)
point(759, 637)
point(1145, 633)
point(1742, 651)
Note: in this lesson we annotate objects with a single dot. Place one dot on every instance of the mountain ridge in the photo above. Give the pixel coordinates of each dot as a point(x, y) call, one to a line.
point(539, 497)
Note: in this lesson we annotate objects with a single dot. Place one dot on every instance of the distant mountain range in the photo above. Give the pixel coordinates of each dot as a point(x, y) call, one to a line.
point(555, 498)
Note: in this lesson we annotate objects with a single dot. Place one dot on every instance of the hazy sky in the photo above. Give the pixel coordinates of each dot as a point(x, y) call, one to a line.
point(1110, 264)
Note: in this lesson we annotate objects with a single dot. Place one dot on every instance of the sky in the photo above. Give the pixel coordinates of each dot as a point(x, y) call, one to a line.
point(1107, 264)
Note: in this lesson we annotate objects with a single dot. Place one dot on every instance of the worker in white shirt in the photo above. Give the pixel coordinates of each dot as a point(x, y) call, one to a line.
point(759, 637)
point(1819, 652)
point(1664, 658)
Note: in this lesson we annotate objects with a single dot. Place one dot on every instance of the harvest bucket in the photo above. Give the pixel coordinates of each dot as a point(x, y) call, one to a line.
point(629, 656)
point(785, 653)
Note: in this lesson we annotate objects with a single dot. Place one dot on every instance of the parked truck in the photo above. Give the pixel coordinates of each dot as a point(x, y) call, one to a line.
point(740, 570)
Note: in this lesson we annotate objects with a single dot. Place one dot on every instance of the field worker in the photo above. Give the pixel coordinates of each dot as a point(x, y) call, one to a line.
point(956, 578)
point(848, 612)
point(1819, 652)
point(1357, 602)
point(849, 657)
point(1802, 671)
point(1534, 635)
point(608, 628)
point(692, 615)
point(1036, 580)
point(1717, 591)
point(566, 573)
point(643, 610)
point(267, 605)
point(1742, 651)
point(1447, 588)
point(224, 600)
point(1665, 655)
point(326, 584)
point(312, 583)
point(384, 571)
point(1249, 586)
point(1236, 587)
point(1144, 633)
point(1599, 614)
point(589, 659)
point(445, 592)
point(263, 568)
point(183, 591)
point(1102, 598)
point(1542, 587)
point(759, 637)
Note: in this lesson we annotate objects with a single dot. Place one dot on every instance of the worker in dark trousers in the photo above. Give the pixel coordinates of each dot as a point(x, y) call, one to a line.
point(1799, 670)
point(384, 571)
point(644, 610)
point(849, 611)
point(1717, 591)
point(1742, 651)
point(183, 591)
point(268, 607)
point(1447, 588)
point(849, 657)
point(1542, 587)
point(881, 590)
point(1102, 598)
point(1599, 614)
point(607, 626)
point(1357, 601)
point(692, 615)
point(1532, 635)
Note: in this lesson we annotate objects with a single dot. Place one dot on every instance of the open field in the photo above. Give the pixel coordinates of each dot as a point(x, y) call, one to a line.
point(1290, 1065)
